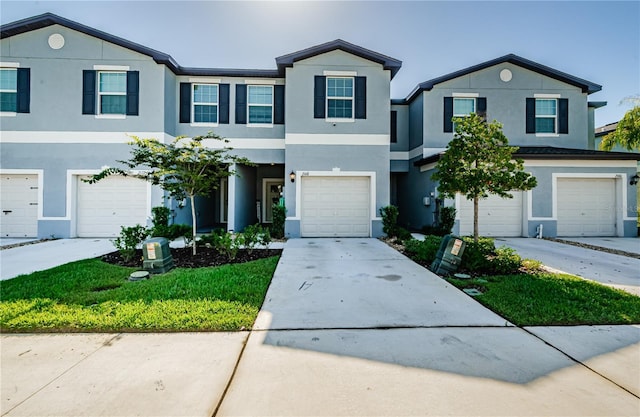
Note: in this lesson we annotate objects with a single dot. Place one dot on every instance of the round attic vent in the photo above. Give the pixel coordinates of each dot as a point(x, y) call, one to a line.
point(56, 41)
point(506, 75)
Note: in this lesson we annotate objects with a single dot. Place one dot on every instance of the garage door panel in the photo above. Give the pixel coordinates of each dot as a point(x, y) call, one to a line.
point(103, 207)
point(586, 207)
point(335, 206)
point(497, 216)
point(19, 205)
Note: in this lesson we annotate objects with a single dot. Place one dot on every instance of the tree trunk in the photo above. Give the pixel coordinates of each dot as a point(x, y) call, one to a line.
point(193, 223)
point(475, 218)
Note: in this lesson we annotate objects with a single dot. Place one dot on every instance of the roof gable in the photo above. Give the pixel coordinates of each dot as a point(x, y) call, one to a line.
point(586, 86)
point(387, 62)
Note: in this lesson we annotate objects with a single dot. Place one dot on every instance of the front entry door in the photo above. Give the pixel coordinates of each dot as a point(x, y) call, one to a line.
point(273, 190)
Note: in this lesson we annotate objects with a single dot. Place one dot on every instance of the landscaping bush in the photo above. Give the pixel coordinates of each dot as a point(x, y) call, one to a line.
point(255, 235)
point(446, 221)
point(423, 251)
point(279, 216)
point(389, 220)
point(224, 242)
point(129, 239)
point(476, 256)
point(506, 261)
point(161, 228)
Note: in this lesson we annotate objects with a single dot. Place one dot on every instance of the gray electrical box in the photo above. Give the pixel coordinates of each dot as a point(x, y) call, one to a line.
point(157, 255)
point(449, 255)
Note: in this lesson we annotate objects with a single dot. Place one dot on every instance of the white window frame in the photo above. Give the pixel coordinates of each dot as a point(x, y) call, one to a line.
point(203, 103)
point(544, 116)
point(249, 105)
point(100, 94)
point(10, 113)
point(352, 98)
point(463, 97)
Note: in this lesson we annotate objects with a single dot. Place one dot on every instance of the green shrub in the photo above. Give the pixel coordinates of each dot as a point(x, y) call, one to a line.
point(506, 261)
point(389, 220)
point(255, 235)
point(423, 251)
point(129, 239)
point(402, 234)
point(447, 218)
point(476, 255)
point(160, 216)
point(279, 217)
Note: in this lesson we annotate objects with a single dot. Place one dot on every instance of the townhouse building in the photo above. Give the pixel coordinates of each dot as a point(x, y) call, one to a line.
point(321, 128)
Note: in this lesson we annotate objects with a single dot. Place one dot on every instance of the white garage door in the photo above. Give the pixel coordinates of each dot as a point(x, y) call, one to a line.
point(586, 207)
point(19, 205)
point(108, 204)
point(496, 216)
point(335, 206)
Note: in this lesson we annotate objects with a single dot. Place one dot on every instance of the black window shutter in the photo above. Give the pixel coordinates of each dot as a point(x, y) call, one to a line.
point(394, 126)
point(23, 98)
point(278, 104)
point(481, 107)
point(531, 115)
point(361, 98)
point(88, 92)
point(563, 115)
point(185, 102)
point(319, 91)
point(133, 92)
point(448, 114)
point(223, 104)
point(241, 104)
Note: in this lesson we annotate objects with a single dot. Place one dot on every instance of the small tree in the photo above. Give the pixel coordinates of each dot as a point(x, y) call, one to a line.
point(479, 162)
point(627, 133)
point(183, 168)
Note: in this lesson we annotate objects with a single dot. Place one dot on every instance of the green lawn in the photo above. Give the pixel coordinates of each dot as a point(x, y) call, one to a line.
point(93, 296)
point(546, 299)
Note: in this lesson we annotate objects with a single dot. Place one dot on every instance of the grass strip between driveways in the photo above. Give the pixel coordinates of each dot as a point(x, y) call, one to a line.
point(545, 299)
point(93, 296)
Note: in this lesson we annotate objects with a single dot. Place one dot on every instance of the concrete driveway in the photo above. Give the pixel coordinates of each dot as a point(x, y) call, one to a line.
point(617, 271)
point(349, 327)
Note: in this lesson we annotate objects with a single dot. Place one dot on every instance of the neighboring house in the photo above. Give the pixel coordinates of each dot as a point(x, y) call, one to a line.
point(321, 128)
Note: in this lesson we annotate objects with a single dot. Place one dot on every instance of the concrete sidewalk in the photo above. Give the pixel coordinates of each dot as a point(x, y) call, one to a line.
point(349, 327)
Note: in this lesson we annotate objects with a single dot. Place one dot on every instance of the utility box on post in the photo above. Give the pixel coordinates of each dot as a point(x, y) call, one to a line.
point(157, 255)
point(449, 255)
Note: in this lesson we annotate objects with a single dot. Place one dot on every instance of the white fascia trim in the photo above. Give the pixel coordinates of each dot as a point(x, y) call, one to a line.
point(204, 80)
point(260, 82)
point(74, 137)
point(465, 95)
point(428, 167)
point(9, 65)
point(336, 172)
point(581, 164)
point(328, 73)
point(40, 174)
point(547, 96)
point(336, 139)
point(405, 156)
point(427, 152)
point(241, 143)
point(111, 67)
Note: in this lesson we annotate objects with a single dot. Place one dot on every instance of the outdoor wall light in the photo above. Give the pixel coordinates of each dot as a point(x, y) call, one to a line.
point(634, 179)
point(292, 176)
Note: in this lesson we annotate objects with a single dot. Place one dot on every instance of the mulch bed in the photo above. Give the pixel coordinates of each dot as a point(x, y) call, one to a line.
point(183, 258)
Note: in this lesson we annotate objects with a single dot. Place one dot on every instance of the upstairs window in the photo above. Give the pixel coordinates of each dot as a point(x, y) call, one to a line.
point(112, 92)
point(546, 115)
point(205, 103)
point(8, 89)
point(260, 104)
point(15, 90)
point(340, 98)
point(462, 107)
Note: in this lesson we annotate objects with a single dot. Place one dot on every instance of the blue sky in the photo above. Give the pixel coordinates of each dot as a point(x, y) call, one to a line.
point(595, 40)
